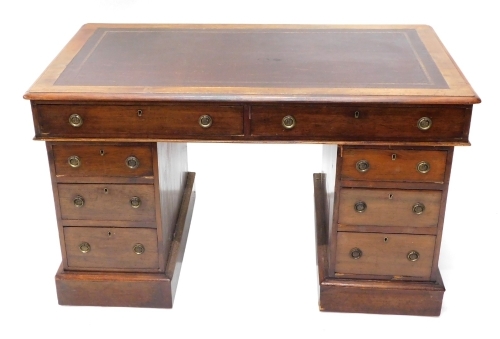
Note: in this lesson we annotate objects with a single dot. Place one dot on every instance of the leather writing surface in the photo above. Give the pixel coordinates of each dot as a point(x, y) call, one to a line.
point(273, 58)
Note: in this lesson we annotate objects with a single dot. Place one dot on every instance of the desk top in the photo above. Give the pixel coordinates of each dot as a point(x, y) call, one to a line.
point(254, 63)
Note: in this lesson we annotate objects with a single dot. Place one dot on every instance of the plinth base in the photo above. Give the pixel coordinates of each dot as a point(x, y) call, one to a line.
point(367, 296)
point(132, 289)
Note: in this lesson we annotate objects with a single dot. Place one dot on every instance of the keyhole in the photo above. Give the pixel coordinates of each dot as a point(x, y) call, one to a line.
point(101, 152)
point(105, 191)
point(390, 196)
point(386, 239)
point(394, 157)
point(139, 112)
point(109, 234)
point(356, 115)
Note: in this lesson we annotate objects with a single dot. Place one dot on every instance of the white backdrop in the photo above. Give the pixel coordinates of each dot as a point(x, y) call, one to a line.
point(253, 221)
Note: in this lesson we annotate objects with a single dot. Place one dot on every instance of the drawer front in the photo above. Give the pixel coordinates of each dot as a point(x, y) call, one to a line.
point(107, 202)
point(385, 254)
point(369, 124)
point(385, 207)
point(162, 121)
point(393, 165)
point(102, 160)
point(112, 248)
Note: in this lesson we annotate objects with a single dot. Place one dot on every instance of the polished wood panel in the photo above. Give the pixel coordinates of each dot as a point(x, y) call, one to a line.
point(382, 297)
point(181, 232)
point(111, 248)
point(102, 160)
point(403, 168)
point(322, 208)
point(385, 254)
point(379, 123)
point(433, 230)
point(367, 296)
point(389, 207)
point(113, 204)
point(170, 182)
point(137, 289)
point(123, 121)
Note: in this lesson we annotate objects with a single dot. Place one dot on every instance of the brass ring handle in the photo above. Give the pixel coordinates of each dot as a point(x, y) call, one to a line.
point(360, 206)
point(413, 255)
point(418, 208)
point(75, 120)
point(424, 123)
point(74, 161)
point(288, 122)
point(205, 121)
point(423, 167)
point(135, 202)
point(139, 249)
point(132, 162)
point(355, 253)
point(84, 247)
point(362, 166)
point(78, 201)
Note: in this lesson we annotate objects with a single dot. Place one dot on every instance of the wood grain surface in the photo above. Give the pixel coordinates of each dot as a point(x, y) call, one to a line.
point(102, 160)
point(384, 168)
point(385, 254)
point(389, 207)
point(111, 248)
point(107, 202)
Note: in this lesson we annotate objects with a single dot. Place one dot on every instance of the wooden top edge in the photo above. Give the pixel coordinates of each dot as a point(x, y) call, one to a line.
point(171, 97)
point(94, 26)
point(262, 141)
point(382, 284)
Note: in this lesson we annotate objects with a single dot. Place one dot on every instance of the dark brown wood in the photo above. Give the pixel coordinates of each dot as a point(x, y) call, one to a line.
point(181, 232)
point(127, 289)
point(382, 297)
point(392, 185)
point(107, 202)
point(383, 168)
point(50, 156)
point(172, 170)
point(439, 235)
point(331, 168)
point(382, 123)
point(106, 180)
point(110, 223)
point(389, 207)
point(113, 289)
point(368, 296)
point(385, 254)
point(111, 248)
point(102, 160)
point(388, 229)
point(321, 218)
point(122, 121)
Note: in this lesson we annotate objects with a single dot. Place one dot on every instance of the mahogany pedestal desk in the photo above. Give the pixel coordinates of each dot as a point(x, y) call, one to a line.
point(119, 103)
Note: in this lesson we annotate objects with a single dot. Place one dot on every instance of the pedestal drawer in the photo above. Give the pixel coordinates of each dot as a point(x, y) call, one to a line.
point(384, 254)
point(386, 207)
point(107, 202)
point(111, 248)
point(393, 165)
point(102, 160)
